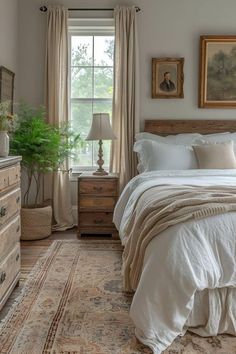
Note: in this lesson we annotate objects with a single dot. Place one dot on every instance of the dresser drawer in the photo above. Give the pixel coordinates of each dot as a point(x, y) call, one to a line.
point(97, 203)
point(96, 219)
point(9, 176)
point(98, 187)
point(9, 205)
point(3, 179)
point(14, 174)
point(9, 268)
point(9, 236)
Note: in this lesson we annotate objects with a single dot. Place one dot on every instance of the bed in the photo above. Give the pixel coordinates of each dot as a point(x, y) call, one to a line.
point(188, 275)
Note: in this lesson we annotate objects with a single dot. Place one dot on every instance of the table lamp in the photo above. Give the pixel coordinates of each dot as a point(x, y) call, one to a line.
point(101, 130)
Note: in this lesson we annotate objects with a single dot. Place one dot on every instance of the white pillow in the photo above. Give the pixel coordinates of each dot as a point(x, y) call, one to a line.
point(179, 139)
point(155, 156)
point(218, 138)
point(215, 135)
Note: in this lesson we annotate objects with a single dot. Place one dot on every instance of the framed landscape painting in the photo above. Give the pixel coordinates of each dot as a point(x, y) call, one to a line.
point(217, 74)
point(167, 77)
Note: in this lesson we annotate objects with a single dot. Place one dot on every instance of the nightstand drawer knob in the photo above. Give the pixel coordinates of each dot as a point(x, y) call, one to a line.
point(97, 189)
point(98, 221)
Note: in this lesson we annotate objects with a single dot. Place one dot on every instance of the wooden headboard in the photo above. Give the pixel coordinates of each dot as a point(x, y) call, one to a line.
point(168, 127)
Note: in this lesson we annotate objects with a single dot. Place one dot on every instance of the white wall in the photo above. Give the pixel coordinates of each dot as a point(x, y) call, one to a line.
point(8, 37)
point(166, 28)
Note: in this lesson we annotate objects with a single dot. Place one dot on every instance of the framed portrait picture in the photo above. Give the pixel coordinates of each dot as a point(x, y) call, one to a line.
point(217, 72)
point(167, 77)
point(7, 86)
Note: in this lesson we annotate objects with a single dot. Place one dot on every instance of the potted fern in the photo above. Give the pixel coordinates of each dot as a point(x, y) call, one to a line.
point(43, 148)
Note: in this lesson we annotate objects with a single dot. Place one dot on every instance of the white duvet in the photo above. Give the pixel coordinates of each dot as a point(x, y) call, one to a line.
point(180, 263)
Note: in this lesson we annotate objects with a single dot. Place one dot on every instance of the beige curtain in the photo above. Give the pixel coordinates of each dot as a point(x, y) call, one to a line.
point(125, 99)
point(57, 105)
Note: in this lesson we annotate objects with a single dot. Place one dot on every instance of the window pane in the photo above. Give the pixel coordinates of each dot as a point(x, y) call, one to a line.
point(81, 50)
point(92, 86)
point(81, 83)
point(103, 107)
point(103, 82)
point(103, 50)
point(81, 115)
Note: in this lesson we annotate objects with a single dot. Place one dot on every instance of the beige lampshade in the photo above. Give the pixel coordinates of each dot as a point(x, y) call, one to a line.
point(101, 128)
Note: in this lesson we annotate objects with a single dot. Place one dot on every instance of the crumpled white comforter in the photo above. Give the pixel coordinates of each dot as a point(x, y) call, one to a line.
point(181, 262)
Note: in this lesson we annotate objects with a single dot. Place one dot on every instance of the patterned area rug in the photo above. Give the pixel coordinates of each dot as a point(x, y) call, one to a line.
point(73, 303)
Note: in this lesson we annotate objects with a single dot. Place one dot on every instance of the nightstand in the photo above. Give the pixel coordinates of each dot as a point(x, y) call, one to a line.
point(97, 197)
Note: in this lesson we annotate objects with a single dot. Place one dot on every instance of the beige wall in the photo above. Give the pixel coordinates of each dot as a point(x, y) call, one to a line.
point(166, 28)
point(8, 37)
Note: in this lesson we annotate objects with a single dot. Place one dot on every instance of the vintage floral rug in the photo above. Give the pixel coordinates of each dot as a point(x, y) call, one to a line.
point(73, 303)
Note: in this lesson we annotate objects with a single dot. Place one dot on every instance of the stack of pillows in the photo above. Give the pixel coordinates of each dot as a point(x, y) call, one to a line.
point(185, 151)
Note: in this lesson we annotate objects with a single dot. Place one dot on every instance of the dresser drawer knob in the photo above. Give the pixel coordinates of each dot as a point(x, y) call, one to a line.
point(98, 189)
point(3, 211)
point(2, 277)
point(17, 257)
point(18, 199)
point(98, 221)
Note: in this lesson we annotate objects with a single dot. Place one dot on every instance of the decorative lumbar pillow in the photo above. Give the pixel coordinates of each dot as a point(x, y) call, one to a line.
point(216, 155)
point(217, 138)
point(153, 156)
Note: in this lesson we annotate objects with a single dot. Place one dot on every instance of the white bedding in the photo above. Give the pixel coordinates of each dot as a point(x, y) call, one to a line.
point(180, 263)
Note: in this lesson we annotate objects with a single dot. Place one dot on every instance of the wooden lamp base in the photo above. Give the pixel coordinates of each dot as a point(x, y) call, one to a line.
point(100, 171)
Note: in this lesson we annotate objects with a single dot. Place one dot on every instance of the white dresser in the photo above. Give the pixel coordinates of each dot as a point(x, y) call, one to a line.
point(10, 204)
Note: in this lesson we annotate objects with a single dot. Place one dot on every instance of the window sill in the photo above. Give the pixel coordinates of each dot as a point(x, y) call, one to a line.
point(76, 173)
point(74, 176)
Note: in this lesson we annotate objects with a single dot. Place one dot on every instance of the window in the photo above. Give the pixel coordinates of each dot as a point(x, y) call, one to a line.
point(91, 86)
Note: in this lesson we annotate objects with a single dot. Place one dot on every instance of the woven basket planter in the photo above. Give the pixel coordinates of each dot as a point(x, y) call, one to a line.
point(36, 223)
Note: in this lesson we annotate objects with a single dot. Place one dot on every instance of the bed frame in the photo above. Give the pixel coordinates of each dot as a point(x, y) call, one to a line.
point(168, 127)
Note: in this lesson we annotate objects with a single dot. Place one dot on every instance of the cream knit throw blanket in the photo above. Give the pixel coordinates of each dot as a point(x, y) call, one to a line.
point(162, 206)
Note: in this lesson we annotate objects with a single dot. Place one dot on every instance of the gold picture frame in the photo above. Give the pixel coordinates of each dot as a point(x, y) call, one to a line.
point(217, 72)
point(168, 78)
point(7, 86)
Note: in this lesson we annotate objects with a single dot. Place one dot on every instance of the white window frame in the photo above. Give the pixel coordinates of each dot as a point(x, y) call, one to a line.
point(86, 27)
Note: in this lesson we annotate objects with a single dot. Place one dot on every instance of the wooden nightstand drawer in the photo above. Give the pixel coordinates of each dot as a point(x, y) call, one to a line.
point(90, 202)
point(96, 219)
point(99, 187)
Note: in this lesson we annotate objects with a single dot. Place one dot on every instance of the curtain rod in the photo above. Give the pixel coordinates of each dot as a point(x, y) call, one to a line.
point(45, 9)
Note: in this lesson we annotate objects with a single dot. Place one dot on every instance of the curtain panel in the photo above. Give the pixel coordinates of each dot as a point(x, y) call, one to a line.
point(126, 94)
point(57, 106)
